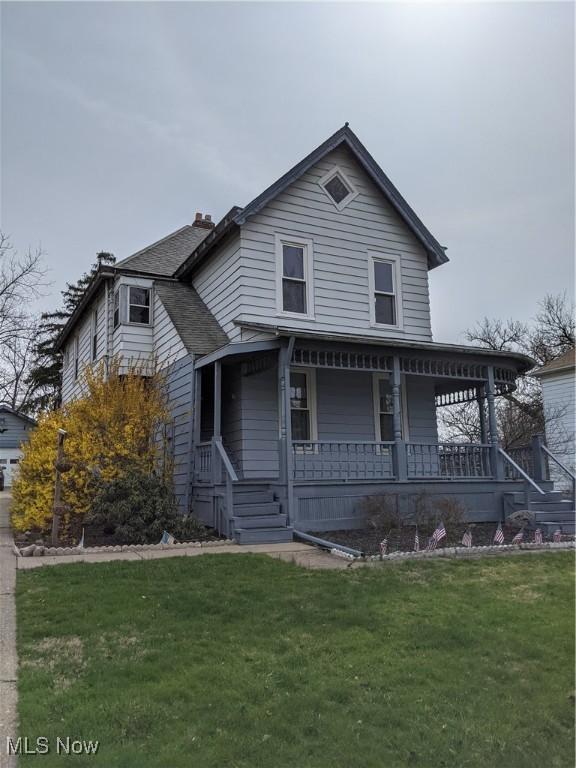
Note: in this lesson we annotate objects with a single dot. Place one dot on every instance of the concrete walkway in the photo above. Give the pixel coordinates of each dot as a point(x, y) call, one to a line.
point(8, 659)
point(294, 552)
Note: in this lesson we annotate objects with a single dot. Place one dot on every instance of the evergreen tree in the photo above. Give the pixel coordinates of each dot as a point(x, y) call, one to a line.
point(45, 375)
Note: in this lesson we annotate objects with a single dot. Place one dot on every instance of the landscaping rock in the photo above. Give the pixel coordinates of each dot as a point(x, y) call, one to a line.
point(38, 551)
point(28, 551)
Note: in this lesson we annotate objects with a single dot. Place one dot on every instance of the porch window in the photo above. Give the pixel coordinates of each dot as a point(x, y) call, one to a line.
point(384, 408)
point(302, 411)
point(294, 286)
point(139, 305)
point(384, 285)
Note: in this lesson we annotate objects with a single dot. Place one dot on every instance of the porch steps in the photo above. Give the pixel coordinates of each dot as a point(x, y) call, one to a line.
point(551, 511)
point(257, 517)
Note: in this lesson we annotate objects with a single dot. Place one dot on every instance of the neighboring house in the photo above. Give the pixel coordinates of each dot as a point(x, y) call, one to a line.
point(558, 380)
point(15, 429)
point(297, 338)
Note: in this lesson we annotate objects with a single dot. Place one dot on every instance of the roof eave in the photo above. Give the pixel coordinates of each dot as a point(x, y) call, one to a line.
point(103, 273)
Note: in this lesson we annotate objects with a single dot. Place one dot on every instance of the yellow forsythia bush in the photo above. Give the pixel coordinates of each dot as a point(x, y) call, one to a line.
point(118, 425)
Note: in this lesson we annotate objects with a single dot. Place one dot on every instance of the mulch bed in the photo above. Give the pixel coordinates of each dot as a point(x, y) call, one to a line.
point(367, 540)
point(97, 536)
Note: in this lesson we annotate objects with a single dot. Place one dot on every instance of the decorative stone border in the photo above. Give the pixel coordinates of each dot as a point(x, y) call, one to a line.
point(492, 549)
point(38, 550)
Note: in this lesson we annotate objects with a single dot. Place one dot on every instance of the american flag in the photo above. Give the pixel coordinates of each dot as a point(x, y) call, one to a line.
point(438, 535)
point(467, 538)
point(499, 535)
point(557, 536)
point(167, 538)
point(537, 536)
point(416, 541)
point(518, 538)
point(383, 547)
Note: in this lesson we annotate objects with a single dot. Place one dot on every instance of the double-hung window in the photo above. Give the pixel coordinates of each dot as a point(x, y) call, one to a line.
point(295, 275)
point(303, 405)
point(138, 305)
point(384, 409)
point(385, 300)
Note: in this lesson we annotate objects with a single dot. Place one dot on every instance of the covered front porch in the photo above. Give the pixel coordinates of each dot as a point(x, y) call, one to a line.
point(304, 411)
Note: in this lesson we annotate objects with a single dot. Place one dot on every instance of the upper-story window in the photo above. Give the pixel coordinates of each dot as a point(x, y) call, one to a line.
point(385, 304)
point(138, 305)
point(338, 187)
point(94, 344)
point(295, 294)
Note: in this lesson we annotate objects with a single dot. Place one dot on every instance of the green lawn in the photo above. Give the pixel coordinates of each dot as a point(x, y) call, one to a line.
point(240, 660)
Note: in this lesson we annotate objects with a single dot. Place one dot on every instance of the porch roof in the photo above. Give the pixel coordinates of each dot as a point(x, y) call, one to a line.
point(520, 362)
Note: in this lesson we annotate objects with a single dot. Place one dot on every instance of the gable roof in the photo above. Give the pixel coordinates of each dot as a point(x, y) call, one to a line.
point(565, 362)
point(5, 408)
point(343, 137)
point(196, 325)
point(166, 255)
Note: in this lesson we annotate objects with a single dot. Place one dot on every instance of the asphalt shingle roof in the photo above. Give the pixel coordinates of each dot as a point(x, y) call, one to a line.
point(166, 255)
point(563, 362)
point(198, 328)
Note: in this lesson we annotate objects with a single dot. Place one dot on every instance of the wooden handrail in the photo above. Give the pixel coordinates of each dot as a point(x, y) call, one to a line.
point(225, 460)
point(521, 471)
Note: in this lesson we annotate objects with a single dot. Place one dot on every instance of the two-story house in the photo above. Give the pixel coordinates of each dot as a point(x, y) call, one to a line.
point(297, 339)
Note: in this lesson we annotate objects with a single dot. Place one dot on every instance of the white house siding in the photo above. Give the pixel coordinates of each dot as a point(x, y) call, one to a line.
point(341, 241)
point(134, 344)
point(70, 384)
point(168, 346)
point(558, 391)
point(219, 284)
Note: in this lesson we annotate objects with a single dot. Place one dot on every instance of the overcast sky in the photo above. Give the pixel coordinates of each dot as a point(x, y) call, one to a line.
point(120, 120)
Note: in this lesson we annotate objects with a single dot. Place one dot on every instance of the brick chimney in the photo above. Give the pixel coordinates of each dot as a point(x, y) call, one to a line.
point(204, 221)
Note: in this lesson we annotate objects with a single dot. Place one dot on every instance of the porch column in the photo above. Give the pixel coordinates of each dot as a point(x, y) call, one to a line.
point(197, 405)
point(497, 465)
point(400, 462)
point(217, 429)
point(482, 413)
point(282, 442)
point(286, 435)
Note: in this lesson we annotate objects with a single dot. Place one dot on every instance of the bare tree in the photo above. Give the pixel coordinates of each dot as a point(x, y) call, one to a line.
point(16, 355)
point(21, 278)
point(520, 414)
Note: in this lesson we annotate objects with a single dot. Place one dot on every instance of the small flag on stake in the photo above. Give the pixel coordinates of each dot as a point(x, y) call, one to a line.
point(557, 535)
point(467, 538)
point(167, 538)
point(383, 547)
point(537, 536)
point(438, 535)
point(81, 542)
point(518, 537)
point(499, 535)
point(416, 541)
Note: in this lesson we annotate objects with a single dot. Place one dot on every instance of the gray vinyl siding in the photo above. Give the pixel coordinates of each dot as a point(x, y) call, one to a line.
point(219, 285)
point(422, 424)
point(17, 431)
point(341, 242)
point(344, 411)
point(180, 382)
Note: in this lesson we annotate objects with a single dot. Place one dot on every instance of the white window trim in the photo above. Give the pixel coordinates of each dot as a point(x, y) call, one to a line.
point(311, 391)
point(336, 170)
point(307, 245)
point(376, 378)
point(150, 305)
point(114, 294)
point(395, 260)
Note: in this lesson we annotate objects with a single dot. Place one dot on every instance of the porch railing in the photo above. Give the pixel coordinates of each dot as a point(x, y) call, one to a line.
point(203, 465)
point(337, 460)
point(450, 461)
